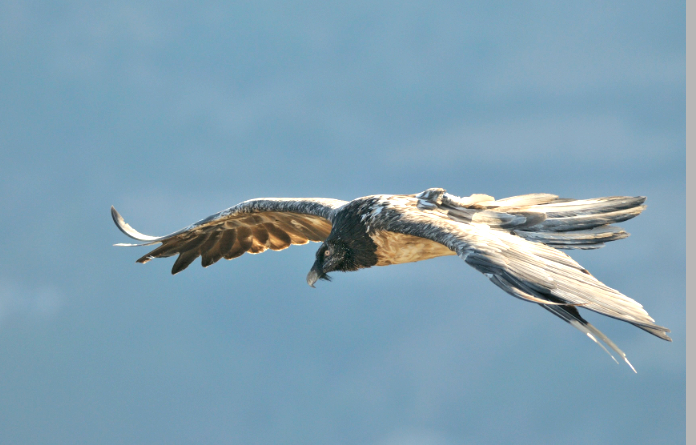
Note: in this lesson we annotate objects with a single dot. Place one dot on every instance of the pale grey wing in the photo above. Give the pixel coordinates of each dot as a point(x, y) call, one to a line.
point(557, 222)
point(528, 270)
point(252, 226)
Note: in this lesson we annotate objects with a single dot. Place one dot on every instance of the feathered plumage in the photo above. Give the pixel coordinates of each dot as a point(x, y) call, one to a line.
point(513, 241)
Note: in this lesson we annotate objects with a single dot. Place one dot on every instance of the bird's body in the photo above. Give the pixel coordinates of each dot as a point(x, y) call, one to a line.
point(513, 241)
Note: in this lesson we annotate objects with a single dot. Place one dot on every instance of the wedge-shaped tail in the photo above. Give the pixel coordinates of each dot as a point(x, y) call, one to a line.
point(515, 249)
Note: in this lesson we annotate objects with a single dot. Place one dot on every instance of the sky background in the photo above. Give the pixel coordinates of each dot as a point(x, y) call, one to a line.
point(172, 111)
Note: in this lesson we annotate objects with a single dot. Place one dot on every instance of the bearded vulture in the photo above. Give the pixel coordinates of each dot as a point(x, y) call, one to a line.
point(513, 241)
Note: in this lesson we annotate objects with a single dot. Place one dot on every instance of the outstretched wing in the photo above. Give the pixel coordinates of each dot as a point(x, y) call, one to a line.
point(252, 226)
point(557, 222)
point(528, 270)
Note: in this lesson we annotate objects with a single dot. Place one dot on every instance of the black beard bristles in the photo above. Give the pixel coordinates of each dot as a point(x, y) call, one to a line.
point(324, 276)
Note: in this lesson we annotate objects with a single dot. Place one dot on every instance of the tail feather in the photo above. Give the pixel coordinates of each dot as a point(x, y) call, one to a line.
point(571, 315)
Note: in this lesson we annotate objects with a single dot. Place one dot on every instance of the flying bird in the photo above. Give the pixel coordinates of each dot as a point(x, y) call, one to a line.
point(513, 241)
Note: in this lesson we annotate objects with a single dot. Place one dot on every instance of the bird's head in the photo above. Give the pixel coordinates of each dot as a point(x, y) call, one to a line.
point(348, 247)
point(333, 255)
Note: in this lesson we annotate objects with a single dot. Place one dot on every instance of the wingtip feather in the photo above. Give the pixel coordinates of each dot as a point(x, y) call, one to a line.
point(124, 227)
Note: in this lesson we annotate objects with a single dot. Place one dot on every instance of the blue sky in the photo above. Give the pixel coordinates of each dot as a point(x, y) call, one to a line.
point(173, 111)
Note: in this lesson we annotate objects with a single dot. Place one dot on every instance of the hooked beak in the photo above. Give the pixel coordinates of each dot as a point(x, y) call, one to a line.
point(312, 277)
point(316, 273)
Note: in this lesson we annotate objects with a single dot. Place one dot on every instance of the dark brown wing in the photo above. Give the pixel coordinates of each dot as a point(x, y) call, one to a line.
point(252, 226)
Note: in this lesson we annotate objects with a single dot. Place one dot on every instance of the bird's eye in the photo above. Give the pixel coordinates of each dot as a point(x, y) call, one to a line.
point(327, 252)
